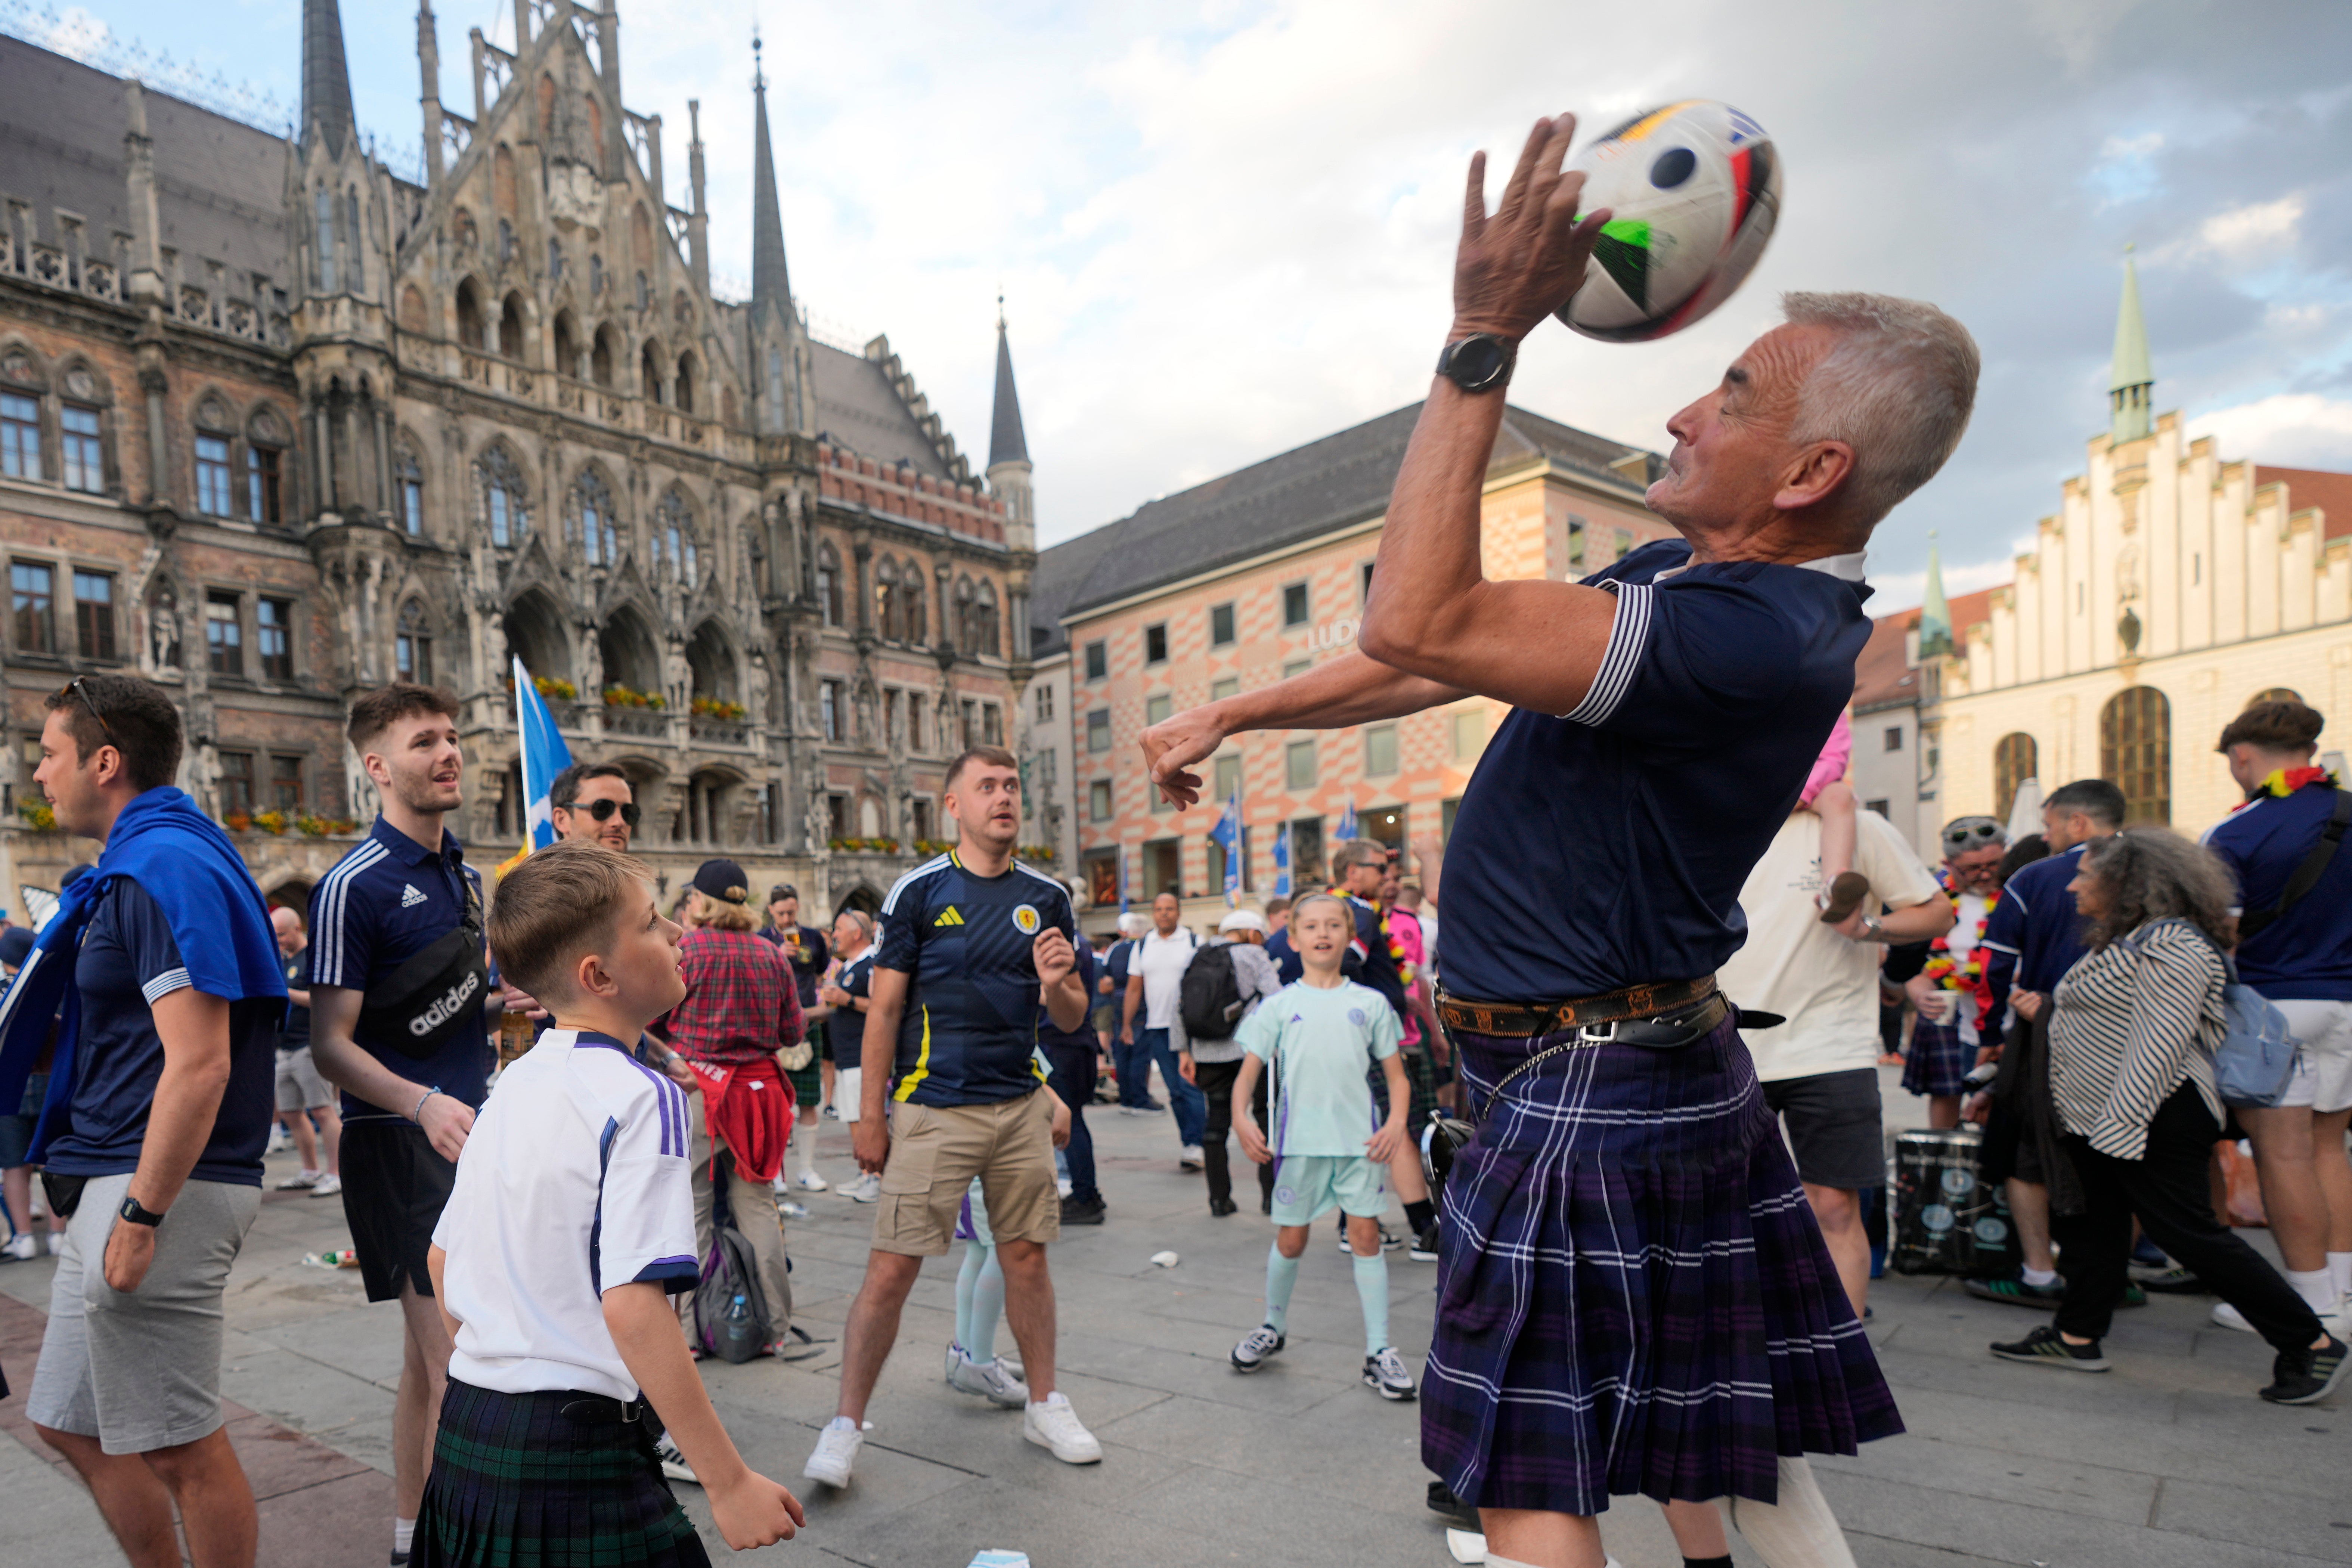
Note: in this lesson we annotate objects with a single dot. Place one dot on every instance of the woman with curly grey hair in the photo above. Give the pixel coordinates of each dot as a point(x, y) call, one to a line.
point(2132, 1031)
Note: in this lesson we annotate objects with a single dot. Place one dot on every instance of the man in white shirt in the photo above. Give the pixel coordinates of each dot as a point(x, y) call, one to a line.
point(1155, 974)
point(1819, 1069)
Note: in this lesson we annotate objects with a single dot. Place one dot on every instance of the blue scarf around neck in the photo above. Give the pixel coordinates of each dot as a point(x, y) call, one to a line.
point(187, 865)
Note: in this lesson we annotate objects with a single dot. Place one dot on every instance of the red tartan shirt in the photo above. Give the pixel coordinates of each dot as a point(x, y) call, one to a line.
point(740, 1005)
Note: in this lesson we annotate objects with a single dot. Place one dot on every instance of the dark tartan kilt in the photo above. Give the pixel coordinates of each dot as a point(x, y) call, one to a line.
point(1632, 1295)
point(1424, 1095)
point(808, 1084)
point(517, 1484)
point(1939, 1059)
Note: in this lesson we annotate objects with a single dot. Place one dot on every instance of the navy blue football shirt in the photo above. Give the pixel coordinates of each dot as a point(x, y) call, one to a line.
point(2034, 935)
point(2305, 954)
point(1606, 847)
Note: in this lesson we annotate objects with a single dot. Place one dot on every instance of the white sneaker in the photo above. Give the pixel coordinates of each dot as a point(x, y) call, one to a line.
point(2229, 1317)
point(1062, 1187)
point(1386, 1371)
point(810, 1182)
point(673, 1462)
point(57, 1243)
point(23, 1247)
point(1053, 1424)
point(836, 1451)
point(791, 1208)
point(278, 1139)
point(300, 1180)
point(865, 1189)
point(1188, 1158)
point(327, 1187)
point(955, 1361)
point(989, 1380)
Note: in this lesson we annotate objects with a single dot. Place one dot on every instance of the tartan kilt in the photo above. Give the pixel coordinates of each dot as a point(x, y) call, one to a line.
point(1939, 1059)
point(517, 1484)
point(1633, 1296)
point(1418, 1085)
point(808, 1083)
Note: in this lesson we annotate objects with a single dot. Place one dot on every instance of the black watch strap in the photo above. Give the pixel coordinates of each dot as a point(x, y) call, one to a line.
point(132, 1213)
point(1479, 362)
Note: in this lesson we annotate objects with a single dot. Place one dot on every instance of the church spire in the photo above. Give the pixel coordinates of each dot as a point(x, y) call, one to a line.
point(326, 79)
point(1934, 611)
point(2132, 382)
point(1007, 442)
point(772, 286)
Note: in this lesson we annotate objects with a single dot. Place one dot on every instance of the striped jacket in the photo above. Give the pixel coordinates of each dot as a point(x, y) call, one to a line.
point(2130, 1022)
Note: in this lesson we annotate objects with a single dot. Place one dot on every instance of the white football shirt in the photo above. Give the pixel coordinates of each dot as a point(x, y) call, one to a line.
point(573, 1180)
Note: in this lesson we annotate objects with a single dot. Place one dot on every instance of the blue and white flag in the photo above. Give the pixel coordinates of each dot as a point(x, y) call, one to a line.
point(1347, 829)
point(544, 755)
point(1122, 879)
point(1282, 862)
point(1227, 836)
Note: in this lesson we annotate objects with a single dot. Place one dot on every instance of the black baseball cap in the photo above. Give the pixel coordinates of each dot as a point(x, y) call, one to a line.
point(723, 881)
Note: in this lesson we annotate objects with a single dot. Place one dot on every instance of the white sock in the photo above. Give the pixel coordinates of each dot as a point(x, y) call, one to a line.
point(2340, 1268)
point(2316, 1285)
point(808, 1153)
point(1798, 1532)
point(404, 1531)
point(2038, 1278)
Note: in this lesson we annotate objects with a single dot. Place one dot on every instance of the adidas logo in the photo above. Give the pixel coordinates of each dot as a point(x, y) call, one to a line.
point(948, 917)
point(409, 897)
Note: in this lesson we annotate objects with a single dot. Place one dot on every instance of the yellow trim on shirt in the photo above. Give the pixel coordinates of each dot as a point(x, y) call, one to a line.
point(922, 1060)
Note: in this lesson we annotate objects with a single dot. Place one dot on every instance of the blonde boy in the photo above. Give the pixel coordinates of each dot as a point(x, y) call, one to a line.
point(571, 1225)
point(1317, 1036)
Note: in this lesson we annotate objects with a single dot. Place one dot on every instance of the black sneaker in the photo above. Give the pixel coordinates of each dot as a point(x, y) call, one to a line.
point(1265, 1201)
point(1221, 1207)
point(1256, 1347)
point(1424, 1246)
point(1390, 1240)
point(2307, 1376)
point(2046, 1346)
point(1082, 1211)
point(2169, 1280)
point(1443, 1502)
point(2013, 1289)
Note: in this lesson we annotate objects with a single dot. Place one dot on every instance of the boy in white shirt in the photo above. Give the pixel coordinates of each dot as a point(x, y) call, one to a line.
point(1316, 1036)
point(571, 1225)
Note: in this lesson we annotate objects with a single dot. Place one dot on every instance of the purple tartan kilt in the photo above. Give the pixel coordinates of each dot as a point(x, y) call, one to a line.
point(1939, 1059)
point(1632, 1295)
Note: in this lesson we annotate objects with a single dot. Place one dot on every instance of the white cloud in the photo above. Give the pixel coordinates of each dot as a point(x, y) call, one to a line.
point(2254, 233)
point(2290, 429)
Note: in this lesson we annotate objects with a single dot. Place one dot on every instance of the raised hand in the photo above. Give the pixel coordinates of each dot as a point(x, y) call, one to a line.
point(1171, 746)
point(1525, 261)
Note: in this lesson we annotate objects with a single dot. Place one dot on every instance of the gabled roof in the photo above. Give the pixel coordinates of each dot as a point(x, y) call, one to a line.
point(2331, 492)
point(1289, 499)
point(858, 408)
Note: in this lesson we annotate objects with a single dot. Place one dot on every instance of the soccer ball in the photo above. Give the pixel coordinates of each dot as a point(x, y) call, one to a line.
point(1694, 189)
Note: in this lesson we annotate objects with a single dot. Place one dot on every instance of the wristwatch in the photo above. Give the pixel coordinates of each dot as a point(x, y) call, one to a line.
point(1874, 927)
point(133, 1215)
point(1479, 362)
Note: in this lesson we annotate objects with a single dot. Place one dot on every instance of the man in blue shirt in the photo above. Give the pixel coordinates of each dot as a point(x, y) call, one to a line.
point(169, 1051)
point(1665, 714)
point(2300, 958)
point(973, 942)
point(398, 978)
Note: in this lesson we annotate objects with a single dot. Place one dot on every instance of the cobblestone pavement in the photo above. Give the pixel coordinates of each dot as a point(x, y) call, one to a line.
point(2168, 1462)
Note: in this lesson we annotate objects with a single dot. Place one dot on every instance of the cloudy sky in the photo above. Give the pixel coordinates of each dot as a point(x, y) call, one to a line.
point(1224, 229)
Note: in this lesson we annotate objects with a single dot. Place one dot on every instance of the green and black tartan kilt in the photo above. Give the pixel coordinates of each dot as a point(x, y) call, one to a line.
point(517, 1484)
point(1423, 1096)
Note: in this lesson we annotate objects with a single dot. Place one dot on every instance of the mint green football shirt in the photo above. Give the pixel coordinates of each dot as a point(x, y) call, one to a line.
point(1320, 1045)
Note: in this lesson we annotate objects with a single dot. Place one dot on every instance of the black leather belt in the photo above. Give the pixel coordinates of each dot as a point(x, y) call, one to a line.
point(600, 1410)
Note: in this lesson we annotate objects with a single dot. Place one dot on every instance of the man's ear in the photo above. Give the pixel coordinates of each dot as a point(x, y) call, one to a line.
point(592, 978)
point(1815, 475)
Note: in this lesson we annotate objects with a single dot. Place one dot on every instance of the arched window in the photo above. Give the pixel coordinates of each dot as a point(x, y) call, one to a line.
point(599, 359)
point(2015, 759)
point(683, 396)
point(510, 327)
point(213, 490)
point(469, 315)
point(2136, 751)
point(828, 585)
point(505, 509)
point(918, 603)
point(2275, 694)
point(649, 378)
point(409, 477)
point(567, 346)
point(265, 440)
point(673, 541)
point(599, 535)
point(985, 637)
point(322, 236)
point(967, 629)
point(412, 647)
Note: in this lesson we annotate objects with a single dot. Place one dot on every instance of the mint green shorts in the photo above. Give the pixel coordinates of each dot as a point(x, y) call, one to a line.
point(1309, 1186)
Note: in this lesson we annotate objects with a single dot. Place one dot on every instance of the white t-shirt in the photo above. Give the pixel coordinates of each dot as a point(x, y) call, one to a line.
point(1793, 964)
point(573, 1180)
point(1161, 960)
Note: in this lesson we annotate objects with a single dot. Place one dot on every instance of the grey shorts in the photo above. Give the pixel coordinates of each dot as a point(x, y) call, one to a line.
point(140, 1371)
point(300, 1087)
point(1834, 1126)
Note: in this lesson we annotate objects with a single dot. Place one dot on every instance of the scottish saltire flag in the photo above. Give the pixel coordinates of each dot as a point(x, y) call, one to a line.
point(544, 755)
point(1227, 836)
point(1347, 829)
point(1282, 862)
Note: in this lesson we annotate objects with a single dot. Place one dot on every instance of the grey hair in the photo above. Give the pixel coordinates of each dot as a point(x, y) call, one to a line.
point(1899, 388)
point(2153, 874)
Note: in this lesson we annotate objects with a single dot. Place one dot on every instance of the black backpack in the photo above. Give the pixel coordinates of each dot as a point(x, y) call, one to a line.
point(1209, 999)
point(731, 1310)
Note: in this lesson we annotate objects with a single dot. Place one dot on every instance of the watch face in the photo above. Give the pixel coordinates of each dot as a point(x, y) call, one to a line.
point(1477, 362)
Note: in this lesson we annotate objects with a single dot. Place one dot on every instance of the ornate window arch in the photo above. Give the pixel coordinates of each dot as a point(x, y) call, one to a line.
point(471, 327)
point(675, 548)
point(408, 490)
point(600, 357)
point(268, 438)
point(23, 388)
point(592, 523)
point(506, 499)
point(2015, 759)
point(683, 388)
point(215, 438)
point(914, 585)
point(510, 326)
point(828, 584)
point(650, 373)
point(984, 634)
point(2136, 751)
point(84, 396)
point(412, 645)
point(567, 344)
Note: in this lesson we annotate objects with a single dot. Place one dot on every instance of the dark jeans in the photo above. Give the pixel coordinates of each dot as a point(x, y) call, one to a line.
point(1133, 1060)
point(2166, 1188)
point(1216, 1082)
point(1073, 1081)
point(1192, 1109)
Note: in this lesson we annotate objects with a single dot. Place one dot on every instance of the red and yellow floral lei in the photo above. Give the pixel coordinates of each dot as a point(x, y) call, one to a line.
point(1956, 975)
point(2284, 782)
point(1396, 948)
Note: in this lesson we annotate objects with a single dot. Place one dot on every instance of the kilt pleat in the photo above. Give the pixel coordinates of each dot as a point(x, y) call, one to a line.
point(1939, 1059)
point(1633, 1296)
point(517, 1484)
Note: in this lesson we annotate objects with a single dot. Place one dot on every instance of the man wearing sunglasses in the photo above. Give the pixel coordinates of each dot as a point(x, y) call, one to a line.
point(1943, 1043)
point(594, 800)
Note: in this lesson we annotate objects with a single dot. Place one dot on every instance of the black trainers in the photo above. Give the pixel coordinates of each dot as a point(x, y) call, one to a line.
point(2307, 1376)
point(1424, 1246)
point(2013, 1289)
point(1443, 1502)
point(1221, 1207)
point(1082, 1211)
point(2046, 1346)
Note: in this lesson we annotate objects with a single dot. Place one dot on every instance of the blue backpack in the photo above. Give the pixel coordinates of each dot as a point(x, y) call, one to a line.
point(2254, 1060)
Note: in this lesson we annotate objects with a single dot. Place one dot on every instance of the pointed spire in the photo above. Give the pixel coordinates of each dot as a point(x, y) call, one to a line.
point(772, 285)
point(325, 78)
point(1007, 441)
point(2131, 380)
point(1935, 612)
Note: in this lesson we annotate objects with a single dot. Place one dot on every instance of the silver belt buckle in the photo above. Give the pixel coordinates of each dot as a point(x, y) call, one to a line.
point(1597, 1034)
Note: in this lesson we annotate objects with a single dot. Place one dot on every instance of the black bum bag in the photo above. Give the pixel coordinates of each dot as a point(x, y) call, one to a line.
point(421, 1006)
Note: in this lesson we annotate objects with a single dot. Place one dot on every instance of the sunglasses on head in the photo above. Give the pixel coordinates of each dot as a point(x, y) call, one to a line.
point(1974, 833)
point(76, 686)
point(602, 810)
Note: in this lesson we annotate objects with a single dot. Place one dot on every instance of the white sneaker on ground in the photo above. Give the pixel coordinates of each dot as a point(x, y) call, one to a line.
point(673, 1462)
point(1052, 1424)
point(865, 1189)
point(278, 1139)
point(57, 1242)
point(327, 1186)
point(791, 1208)
point(955, 1361)
point(1386, 1371)
point(810, 1182)
point(990, 1380)
point(1062, 1187)
point(300, 1180)
point(2229, 1317)
point(1256, 1347)
point(836, 1451)
point(23, 1247)
point(1188, 1158)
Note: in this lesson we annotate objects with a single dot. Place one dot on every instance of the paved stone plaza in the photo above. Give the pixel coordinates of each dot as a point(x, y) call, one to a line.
point(2168, 1462)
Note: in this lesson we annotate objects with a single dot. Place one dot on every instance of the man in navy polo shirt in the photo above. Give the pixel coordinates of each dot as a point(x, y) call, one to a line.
point(1656, 743)
point(406, 1047)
